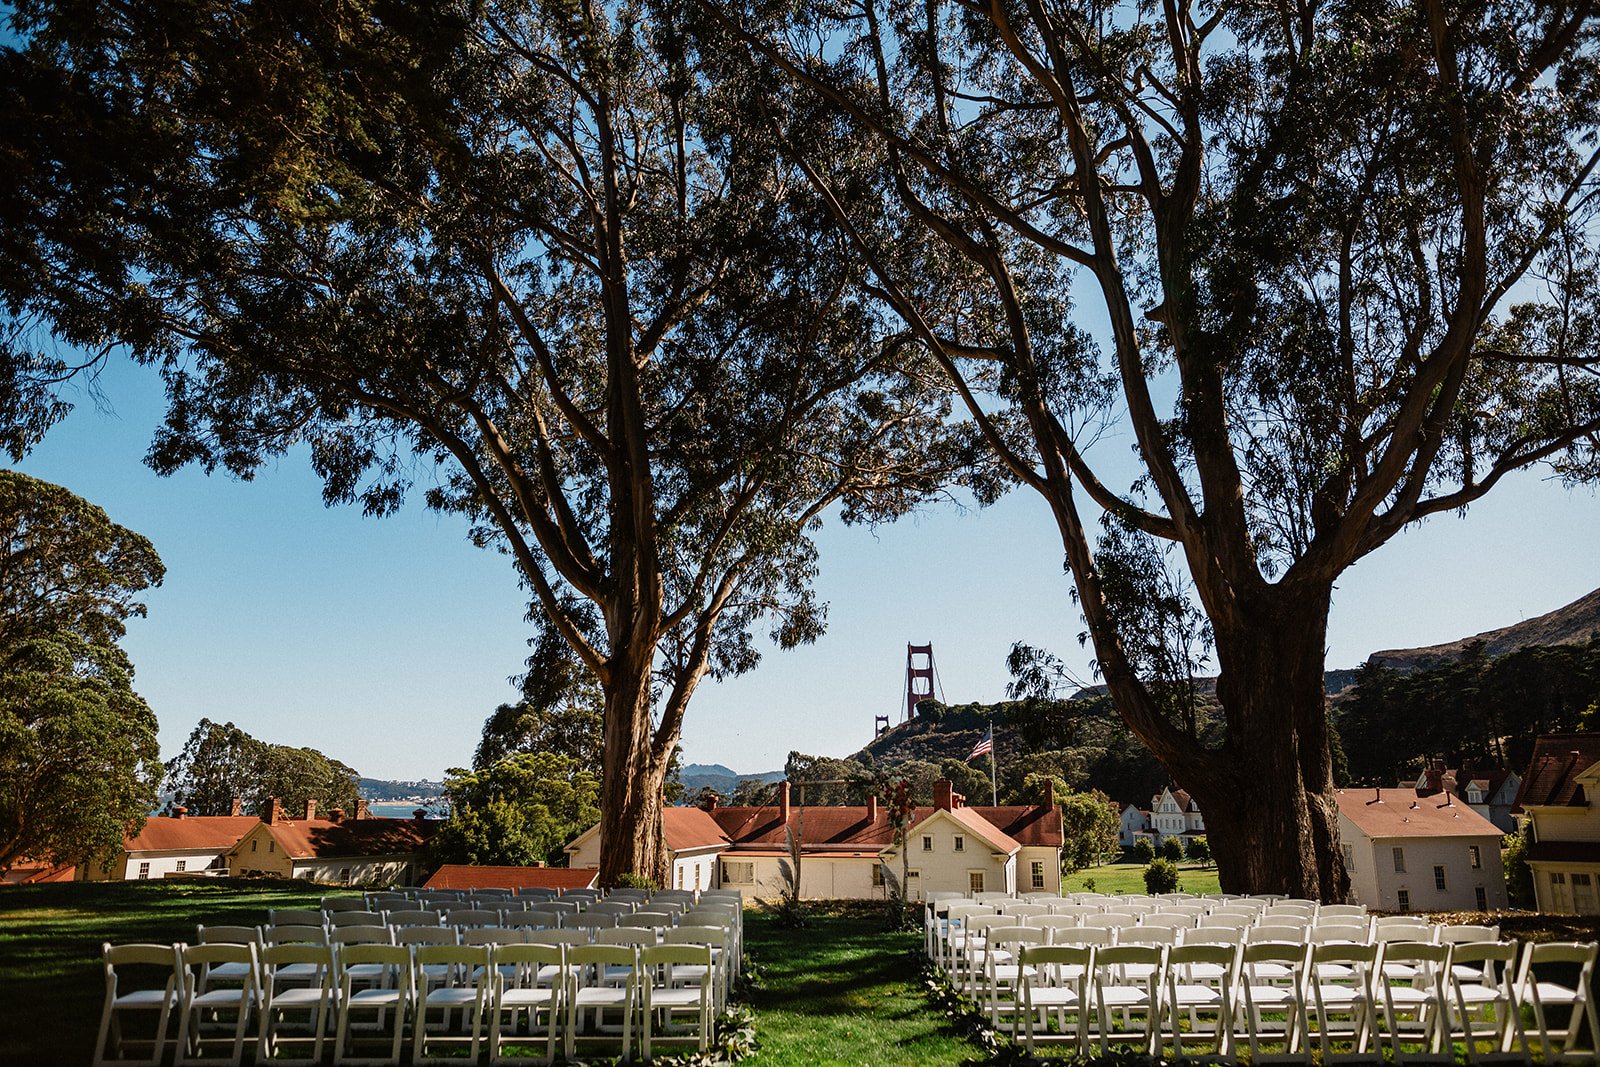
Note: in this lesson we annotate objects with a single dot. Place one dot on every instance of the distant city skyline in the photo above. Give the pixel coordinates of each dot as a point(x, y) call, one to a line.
point(387, 642)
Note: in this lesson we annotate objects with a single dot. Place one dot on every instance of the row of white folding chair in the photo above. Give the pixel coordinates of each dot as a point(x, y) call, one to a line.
point(333, 984)
point(1333, 993)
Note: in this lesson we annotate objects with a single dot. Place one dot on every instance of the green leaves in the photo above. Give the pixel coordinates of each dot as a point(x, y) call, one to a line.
point(78, 755)
point(519, 811)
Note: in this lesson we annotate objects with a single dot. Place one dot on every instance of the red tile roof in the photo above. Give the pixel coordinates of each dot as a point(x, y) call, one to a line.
point(28, 872)
point(690, 828)
point(165, 833)
point(1401, 813)
point(824, 828)
point(1557, 760)
point(324, 838)
point(463, 876)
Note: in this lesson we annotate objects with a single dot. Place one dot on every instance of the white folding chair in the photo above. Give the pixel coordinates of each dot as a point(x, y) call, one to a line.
point(1003, 970)
point(294, 1013)
point(1272, 992)
point(1054, 980)
point(1414, 1008)
point(205, 1011)
point(1200, 984)
point(1539, 994)
point(1126, 984)
point(528, 986)
point(675, 981)
point(388, 1001)
point(449, 979)
point(1339, 1000)
point(1483, 1002)
point(591, 989)
point(162, 962)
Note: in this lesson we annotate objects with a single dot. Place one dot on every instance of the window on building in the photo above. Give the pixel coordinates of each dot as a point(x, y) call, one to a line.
point(1405, 899)
point(927, 843)
point(344, 875)
point(960, 843)
point(877, 875)
point(913, 873)
point(738, 873)
point(1349, 857)
point(678, 873)
point(144, 870)
point(253, 845)
point(1481, 895)
point(1438, 877)
point(1583, 900)
point(1475, 854)
point(1038, 874)
point(697, 876)
point(272, 846)
point(1400, 859)
point(181, 865)
point(975, 881)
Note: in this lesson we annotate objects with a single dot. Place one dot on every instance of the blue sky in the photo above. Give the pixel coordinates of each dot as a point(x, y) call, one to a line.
point(386, 642)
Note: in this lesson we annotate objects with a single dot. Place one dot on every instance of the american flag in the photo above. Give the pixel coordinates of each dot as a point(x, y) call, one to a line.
point(986, 745)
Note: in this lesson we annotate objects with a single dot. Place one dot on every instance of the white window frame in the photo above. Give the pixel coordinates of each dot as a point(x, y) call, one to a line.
point(1399, 860)
point(1441, 884)
point(1475, 854)
point(1036, 874)
point(960, 844)
point(927, 842)
point(977, 881)
point(180, 866)
point(1403, 898)
point(144, 868)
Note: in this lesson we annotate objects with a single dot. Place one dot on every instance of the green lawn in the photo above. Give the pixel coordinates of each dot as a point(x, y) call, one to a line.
point(1119, 878)
point(839, 991)
point(51, 983)
point(842, 990)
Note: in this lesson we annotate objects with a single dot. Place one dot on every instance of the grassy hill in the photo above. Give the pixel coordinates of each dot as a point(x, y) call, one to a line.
point(1571, 625)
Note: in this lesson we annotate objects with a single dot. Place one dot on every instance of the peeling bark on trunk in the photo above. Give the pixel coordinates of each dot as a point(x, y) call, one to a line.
point(1271, 817)
point(631, 837)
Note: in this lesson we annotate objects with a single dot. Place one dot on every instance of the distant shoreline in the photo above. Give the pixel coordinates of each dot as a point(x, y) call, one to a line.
point(400, 809)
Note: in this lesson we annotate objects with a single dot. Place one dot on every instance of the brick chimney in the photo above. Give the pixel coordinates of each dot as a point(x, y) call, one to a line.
point(361, 809)
point(335, 814)
point(709, 801)
point(783, 801)
point(274, 811)
point(179, 811)
point(420, 815)
point(872, 807)
point(944, 794)
point(311, 810)
point(1047, 794)
point(238, 807)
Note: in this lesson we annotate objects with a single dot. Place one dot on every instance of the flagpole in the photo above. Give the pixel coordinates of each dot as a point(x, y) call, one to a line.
point(994, 786)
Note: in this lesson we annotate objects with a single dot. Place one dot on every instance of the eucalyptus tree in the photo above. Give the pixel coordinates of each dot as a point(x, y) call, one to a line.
point(1328, 269)
point(522, 250)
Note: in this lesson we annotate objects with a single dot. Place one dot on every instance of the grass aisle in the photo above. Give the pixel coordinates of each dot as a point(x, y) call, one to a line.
point(842, 990)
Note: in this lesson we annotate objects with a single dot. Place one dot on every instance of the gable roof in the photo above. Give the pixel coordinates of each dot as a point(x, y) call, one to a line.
point(1558, 760)
point(166, 833)
point(465, 876)
point(303, 839)
point(1388, 813)
point(985, 830)
point(690, 828)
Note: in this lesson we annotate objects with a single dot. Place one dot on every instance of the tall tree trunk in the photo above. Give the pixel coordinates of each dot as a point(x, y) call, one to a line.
point(631, 838)
point(1271, 816)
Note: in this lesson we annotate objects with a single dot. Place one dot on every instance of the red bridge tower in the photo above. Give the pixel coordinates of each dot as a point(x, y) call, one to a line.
point(920, 677)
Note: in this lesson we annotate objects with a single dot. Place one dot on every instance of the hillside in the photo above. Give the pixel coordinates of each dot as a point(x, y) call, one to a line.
point(1572, 625)
point(697, 776)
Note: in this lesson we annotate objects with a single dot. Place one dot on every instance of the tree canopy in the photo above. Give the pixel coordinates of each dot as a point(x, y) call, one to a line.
point(79, 762)
point(220, 763)
point(520, 811)
point(527, 252)
point(1329, 270)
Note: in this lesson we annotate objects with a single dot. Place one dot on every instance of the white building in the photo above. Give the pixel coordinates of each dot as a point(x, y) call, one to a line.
point(339, 851)
point(694, 841)
point(1411, 853)
point(1557, 799)
point(173, 845)
point(845, 849)
point(1135, 824)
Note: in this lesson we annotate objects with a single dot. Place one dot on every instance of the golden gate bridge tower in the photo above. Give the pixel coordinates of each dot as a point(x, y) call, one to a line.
point(920, 677)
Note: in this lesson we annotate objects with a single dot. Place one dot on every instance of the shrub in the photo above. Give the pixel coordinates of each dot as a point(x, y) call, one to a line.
point(1143, 851)
point(1171, 849)
point(636, 881)
point(1161, 877)
point(1200, 850)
